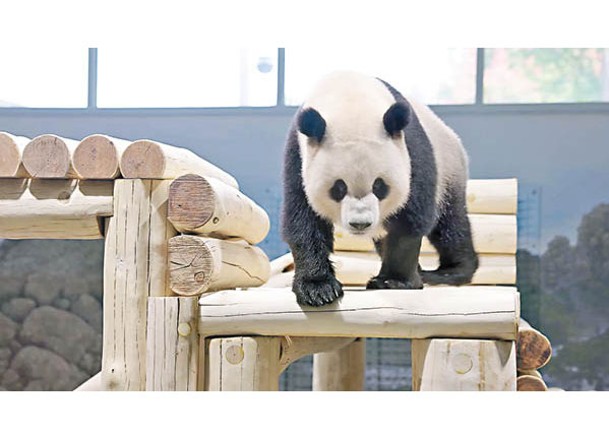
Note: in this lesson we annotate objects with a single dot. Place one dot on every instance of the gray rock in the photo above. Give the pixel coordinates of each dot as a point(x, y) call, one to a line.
point(8, 329)
point(60, 331)
point(15, 346)
point(62, 303)
point(90, 310)
point(41, 369)
point(18, 308)
point(11, 380)
point(11, 286)
point(44, 287)
point(5, 354)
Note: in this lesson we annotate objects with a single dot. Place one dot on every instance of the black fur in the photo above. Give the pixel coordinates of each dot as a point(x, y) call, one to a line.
point(380, 189)
point(396, 118)
point(338, 190)
point(312, 124)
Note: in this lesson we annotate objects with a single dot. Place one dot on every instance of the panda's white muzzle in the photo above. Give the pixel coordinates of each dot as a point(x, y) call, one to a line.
point(359, 215)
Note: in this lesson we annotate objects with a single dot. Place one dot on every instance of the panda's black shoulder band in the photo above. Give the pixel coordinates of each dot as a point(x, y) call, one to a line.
point(312, 124)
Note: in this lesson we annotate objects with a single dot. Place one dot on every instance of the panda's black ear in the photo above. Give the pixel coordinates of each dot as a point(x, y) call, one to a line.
point(311, 124)
point(396, 118)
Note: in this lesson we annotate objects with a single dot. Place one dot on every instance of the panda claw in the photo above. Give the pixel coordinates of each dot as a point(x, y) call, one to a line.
point(316, 293)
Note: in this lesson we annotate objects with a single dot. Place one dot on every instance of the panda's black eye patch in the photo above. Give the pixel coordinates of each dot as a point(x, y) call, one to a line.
point(338, 190)
point(380, 189)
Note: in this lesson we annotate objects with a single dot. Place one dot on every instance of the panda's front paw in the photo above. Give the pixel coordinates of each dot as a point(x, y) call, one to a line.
point(317, 292)
point(385, 282)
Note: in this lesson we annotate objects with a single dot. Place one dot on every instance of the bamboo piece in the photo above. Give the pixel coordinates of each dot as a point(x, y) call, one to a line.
point(463, 365)
point(199, 264)
point(97, 157)
point(53, 209)
point(530, 383)
point(494, 196)
point(492, 234)
point(11, 151)
point(206, 206)
point(356, 268)
point(474, 312)
point(172, 344)
point(49, 156)
point(129, 265)
point(243, 364)
point(150, 159)
point(92, 384)
point(341, 370)
point(533, 348)
point(294, 348)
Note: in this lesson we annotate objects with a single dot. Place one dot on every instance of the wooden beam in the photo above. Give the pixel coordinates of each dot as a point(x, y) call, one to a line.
point(462, 312)
point(342, 369)
point(49, 156)
point(206, 206)
point(172, 344)
point(11, 150)
point(92, 384)
point(150, 159)
point(463, 365)
point(294, 348)
point(534, 350)
point(97, 157)
point(494, 196)
point(243, 364)
point(199, 264)
point(135, 267)
point(492, 234)
point(53, 209)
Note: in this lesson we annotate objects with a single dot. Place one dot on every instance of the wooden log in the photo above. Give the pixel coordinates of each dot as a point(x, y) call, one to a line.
point(533, 348)
point(97, 157)
point(463, 365)
point(282, 264)
point(135, 267)
point(356, 268)
point(206, 206)
point(199, 264)
point(53, 209)
point(492, 234)
point(11, 151)
point(529, 372)
point(294, 348)
point(172, 344)
point(92, 384)
point(530, 383)
point(243, 364)
point(49, 156)
point(150, 159)
point(462, 312)
point(494, 196)
point(341, 370)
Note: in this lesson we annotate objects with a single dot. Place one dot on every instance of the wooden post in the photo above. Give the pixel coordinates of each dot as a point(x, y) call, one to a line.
point(97, 157)
point(463, 365)
point(243, 364)
point(92, 384)
point(135, 267)
point(294, 348)
point(533, 348)
point(341, 370)
point(49, 156)
point(11, 150)
point(172, 344)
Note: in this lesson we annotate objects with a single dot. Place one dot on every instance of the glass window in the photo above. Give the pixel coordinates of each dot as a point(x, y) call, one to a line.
point(430, 75)
point(187, 78)
point(546, 75)
point(38, 77)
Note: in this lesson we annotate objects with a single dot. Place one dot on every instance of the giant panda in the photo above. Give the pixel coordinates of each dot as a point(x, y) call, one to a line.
point(360, 155)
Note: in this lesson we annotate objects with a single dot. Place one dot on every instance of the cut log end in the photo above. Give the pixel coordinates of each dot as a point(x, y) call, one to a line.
point(47, 156)
point(191, 201)
point(533, 349)
point(10, 158)
point(96, 157)
point(530, 383)
point(191, 265)
point(143, 159)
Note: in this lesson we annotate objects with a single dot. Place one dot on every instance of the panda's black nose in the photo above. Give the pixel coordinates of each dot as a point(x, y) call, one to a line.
point(359, 226)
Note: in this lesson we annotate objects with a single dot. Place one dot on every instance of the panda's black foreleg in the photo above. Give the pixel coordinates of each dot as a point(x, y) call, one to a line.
point(452, 238)
point(400, 263)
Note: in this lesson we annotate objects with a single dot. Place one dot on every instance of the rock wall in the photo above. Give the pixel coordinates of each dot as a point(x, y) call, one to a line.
point(50, 313)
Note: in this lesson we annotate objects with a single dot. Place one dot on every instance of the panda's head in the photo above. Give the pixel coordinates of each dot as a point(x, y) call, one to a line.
point(356, 167)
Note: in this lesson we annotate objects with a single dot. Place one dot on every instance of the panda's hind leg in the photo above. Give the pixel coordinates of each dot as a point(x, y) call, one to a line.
point(452, 238)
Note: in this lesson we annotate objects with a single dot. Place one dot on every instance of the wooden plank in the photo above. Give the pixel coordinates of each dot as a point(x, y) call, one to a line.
point(11, 151)
point(128, 282)
point(97, 157)
point(464, 312)
point(149, 159)
point(243, 364)
point(294, 348)
point(341, 370)
point(492, 234)
point(49, 156)
point(206, 206)
point(463, 365)
point(53, 209)
point(200, 264)
point(172, 344)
